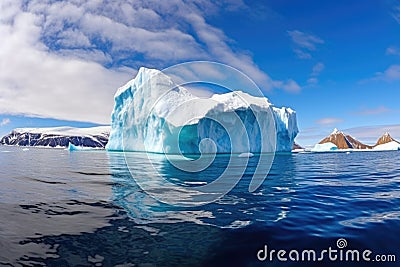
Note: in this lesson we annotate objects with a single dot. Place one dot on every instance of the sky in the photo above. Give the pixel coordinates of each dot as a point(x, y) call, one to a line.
point(337, 63)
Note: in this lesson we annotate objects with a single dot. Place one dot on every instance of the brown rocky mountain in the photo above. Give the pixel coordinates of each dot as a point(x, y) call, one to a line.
point(385, 138)
point(297, 146)
point(344, 141)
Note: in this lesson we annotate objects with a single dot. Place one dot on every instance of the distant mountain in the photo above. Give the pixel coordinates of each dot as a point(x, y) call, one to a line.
point(384, 139)
point(297, 146)
point(344, 141)
point(58, 137)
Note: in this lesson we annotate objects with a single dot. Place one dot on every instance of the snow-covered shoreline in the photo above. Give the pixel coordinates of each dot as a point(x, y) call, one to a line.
point(338, 141)
point(351, 150)
point(58, 137)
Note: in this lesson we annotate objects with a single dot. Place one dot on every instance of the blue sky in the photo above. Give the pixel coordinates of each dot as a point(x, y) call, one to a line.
point(337, 63)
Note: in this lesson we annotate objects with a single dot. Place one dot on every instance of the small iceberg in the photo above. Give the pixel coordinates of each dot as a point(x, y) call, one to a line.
point(25, 149)
point(72, 147)
point(246, 155)
point(325, 147)
point(195, 183)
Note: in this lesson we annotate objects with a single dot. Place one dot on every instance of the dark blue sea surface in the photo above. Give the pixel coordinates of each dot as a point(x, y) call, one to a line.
point(60, 208)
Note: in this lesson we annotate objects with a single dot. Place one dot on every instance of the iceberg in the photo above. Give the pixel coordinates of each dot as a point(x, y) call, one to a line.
point(325, 147)
point(246, 155)
point(153, 114)
point(72, 147)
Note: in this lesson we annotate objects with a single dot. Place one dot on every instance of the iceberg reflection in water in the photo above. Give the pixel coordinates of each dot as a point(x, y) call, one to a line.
point(142, 206)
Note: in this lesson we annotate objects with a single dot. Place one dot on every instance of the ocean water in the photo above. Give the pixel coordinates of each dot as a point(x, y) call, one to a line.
point(60, 208)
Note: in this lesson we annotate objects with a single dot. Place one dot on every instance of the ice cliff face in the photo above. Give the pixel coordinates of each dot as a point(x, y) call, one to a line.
point(152, 114)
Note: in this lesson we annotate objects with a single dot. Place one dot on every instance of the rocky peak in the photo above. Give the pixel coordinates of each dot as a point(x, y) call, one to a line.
point(343, 141)
point(384, 139)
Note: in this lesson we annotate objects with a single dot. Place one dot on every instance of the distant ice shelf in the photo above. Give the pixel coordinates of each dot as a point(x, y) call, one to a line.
point(62, 137)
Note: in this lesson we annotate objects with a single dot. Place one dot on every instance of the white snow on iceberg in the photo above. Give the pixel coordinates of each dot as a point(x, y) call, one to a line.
point(149, 116)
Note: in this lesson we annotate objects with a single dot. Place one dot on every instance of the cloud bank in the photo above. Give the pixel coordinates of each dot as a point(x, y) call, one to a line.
point(65, 59)
point(329, 121)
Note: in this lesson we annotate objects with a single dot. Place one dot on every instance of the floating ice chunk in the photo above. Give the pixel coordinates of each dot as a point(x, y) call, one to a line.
point(325, 147)
point(72, 147)
point(246, 155)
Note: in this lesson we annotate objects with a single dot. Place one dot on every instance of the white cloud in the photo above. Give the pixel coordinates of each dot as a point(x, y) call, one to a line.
point(392, 73)
point(317, 69)
point(396, 13)
point(157, 30)
point(305, 40)
point(65, 59)
point(93, 55)
point(305, 43)
point(393, 50)
point(373, 111)
point(370, 134)
point(72, 38)
point(217, 45)
point(312, 81)
point(328, 121)
point(302, 54)
point(289, 86)
point(166, 45)
point(5, 121)
point(36, 82)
